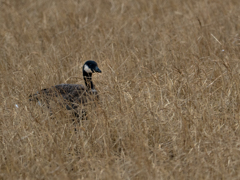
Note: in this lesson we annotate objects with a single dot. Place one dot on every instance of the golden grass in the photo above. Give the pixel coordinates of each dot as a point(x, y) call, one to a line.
point(169, 89)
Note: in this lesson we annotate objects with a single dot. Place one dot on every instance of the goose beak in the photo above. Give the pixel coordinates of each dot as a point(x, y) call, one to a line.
point(97, 70)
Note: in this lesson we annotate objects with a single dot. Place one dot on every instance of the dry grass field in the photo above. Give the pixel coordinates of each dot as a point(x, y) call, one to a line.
point(169, 92)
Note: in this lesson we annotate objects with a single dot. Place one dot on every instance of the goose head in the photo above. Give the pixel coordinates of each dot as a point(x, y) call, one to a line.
point(90, 67)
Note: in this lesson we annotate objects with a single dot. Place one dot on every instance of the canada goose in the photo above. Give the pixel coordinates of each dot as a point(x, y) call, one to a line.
point(72, 95)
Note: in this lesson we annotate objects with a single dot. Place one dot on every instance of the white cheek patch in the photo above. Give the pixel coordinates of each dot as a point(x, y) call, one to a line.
point(87, 69)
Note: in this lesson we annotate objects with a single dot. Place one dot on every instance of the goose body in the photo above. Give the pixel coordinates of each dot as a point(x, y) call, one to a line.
point(72, 95)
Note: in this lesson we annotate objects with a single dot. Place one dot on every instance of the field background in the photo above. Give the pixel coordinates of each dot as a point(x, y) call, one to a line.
point(170, 91)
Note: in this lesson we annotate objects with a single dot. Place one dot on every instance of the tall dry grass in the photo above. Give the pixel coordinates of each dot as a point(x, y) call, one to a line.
point(169, 89)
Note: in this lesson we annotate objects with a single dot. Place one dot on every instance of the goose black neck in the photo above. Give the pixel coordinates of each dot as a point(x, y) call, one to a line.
point(88, 80)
